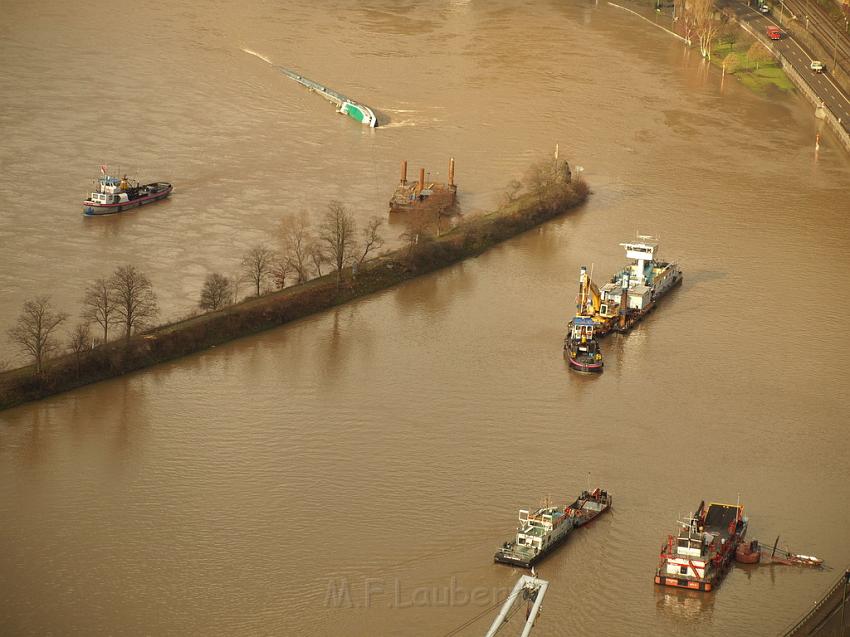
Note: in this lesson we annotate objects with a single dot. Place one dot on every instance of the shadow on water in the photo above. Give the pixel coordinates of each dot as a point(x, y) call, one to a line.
point(433, 293)
point(704, 276)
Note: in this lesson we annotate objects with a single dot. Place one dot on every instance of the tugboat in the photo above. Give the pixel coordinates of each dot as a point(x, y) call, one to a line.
point(582, 348)
point(541, 531)
point(631, 293)
point(117, 195)
point(704, 547)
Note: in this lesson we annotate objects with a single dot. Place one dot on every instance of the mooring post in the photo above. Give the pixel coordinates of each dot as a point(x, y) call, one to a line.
point(421, 179)
point(403, 172)
point(452, 171)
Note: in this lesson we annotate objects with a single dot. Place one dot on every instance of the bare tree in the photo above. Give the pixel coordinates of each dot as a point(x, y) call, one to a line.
point(336, 233)
point(257, 265)
point(547, 179)
point(296, 246)
point(705, 25)
point(216, 293)
point(33, 331)
point(758, 54)
point(511, 192)
point(417, 231)
point(372, 239)
point(80, 341)
point(134, 299)
point(280, 272)
point(729, 34)
point(318, 257)
point(99, 306)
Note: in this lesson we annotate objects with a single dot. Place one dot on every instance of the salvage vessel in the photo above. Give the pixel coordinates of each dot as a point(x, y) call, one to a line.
point(542, 530)
point(703, 548)
point(117, 195)
point(631, 293)
point(582, 348)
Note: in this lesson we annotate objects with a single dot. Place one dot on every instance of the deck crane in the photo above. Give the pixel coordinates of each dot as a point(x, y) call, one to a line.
point(530, 588)
point(588, 300)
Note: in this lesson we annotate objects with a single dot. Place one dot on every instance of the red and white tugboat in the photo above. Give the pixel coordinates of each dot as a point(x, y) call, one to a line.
point(117, 195)
point(701, 552)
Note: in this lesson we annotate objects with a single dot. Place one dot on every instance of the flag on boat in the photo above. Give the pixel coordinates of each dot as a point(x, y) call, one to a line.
point(103, 169)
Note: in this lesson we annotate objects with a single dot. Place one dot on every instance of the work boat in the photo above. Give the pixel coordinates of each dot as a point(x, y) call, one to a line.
point(541, 531)
point(631, 293)
point(702, 550)
point(582, 348)
point(117, 195)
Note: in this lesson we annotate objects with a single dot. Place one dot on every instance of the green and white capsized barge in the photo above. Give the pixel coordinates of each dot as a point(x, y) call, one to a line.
point(345, 105)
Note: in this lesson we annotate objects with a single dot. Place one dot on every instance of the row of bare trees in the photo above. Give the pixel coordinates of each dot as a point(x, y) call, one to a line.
point(698, 19)
point(304, 253)
point(126, 300)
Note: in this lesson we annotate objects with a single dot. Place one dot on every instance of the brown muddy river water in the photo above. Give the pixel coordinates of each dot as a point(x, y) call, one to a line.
point(353, 473)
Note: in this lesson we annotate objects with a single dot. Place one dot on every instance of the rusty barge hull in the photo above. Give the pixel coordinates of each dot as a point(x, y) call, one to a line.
point(422, 195)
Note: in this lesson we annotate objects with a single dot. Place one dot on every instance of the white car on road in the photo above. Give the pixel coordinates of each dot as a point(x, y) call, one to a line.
point(817, 66)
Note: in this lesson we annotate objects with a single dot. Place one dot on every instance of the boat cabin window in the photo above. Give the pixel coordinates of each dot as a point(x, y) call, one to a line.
point(683, 570)
point(603, 309)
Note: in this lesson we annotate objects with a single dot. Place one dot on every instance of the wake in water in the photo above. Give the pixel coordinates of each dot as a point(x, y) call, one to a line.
point(259, 55)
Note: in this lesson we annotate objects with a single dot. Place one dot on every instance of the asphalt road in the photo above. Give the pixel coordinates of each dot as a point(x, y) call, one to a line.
point(821, 83)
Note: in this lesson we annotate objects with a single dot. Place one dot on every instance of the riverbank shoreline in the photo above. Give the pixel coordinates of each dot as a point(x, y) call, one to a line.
point(172, 341)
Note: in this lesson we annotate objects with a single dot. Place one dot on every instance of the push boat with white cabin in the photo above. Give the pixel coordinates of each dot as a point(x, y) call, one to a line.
point(542, 530)
point(117, 195)
point(702, 550)
point(582, 348)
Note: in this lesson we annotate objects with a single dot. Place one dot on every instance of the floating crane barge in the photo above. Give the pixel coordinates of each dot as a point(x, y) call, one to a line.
point(631, 293)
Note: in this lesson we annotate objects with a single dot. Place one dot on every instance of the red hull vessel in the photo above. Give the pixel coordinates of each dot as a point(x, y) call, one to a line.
point(701, 552)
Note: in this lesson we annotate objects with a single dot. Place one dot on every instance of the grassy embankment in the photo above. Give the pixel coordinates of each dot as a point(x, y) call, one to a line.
point(172, 341)
point(757, 76)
